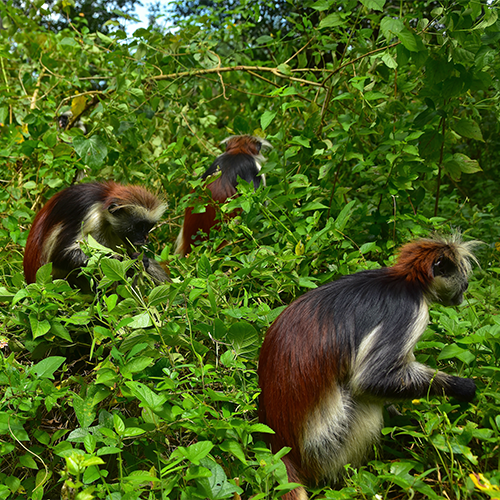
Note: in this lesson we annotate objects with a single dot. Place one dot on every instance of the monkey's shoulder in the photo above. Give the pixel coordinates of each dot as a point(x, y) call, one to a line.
point(373, 284)
point(372, 297)
point(234, 166)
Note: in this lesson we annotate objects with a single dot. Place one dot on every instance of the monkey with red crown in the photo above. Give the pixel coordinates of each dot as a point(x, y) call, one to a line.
point(115, 215)
point(336, 355)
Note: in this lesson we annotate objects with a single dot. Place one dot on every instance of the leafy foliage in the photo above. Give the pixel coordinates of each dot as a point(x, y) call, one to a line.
point(384, 125)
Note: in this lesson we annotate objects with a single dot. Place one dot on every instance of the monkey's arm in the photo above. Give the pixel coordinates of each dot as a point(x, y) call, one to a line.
point(414, 380)
point(386, 368)
point(64, 262)
point(155, 270)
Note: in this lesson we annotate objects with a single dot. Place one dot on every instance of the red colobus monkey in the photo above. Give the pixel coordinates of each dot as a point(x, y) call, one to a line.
point(242, 158)
point(113, 214)
point(334, 357)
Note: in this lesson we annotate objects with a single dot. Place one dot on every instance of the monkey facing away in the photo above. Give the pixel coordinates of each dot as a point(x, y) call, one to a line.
point(115, 215)
point(334, 357)
point(242, 158)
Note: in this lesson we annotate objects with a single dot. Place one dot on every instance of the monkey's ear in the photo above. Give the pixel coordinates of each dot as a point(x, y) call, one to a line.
point(443, 267)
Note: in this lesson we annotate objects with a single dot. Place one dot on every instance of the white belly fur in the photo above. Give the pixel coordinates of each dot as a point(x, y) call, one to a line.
point(340, 431)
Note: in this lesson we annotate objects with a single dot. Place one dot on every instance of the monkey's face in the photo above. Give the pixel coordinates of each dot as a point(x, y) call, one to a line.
point(64, 119)
point(138, 234)
point(130, 229)
point(450, 283)
point(63, 122)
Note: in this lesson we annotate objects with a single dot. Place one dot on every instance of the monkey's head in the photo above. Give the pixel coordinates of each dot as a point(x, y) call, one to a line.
point(439, 266)
point(245, 144)
point(131, 212)
point(450, 282)
point(63, 119)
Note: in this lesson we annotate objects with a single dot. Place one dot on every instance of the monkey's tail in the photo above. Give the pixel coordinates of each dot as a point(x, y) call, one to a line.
point(293, 477)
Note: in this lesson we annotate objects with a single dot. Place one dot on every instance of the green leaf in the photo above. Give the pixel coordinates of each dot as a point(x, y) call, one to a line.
point(148, 398)
point(374, 4)
point(450, 351)
point(44, 274)
point(38, 327)
point(132, 432)
point(60, 330)
point(244, 339)
point(105, 38)
point(47, 367)
point(135, 365)
point(462, 163)
point(264, 39)
point(468, 128)
point(92, 150)
point(113, 269)
point(331, 20)
point(118, 424)
point(27, 460)
point(216, 486)
point(321, 5)
point(90, 443)
point(10, 425)
point(389, 61)
point(285, 69)
point(234, 448)
point(21, 294)
point(195, 452)
point(344, 216)
point(314, 205)
point(84, 410)
point(204, 268)
point(266, 119)
point(5, 295)
point(408, 39)
point(391, 27)
point(92, 461)
point(159, 295)
point(307, 283)
point(490, 18)
point(373, 95)
point(142, 320)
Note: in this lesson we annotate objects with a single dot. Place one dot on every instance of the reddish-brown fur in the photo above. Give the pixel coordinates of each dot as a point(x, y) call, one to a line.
point(55, 213)
point(285, 412)
point(128, 195)
point(243, 144)
point(39, 231)
point(416, 258)
point(309, 353)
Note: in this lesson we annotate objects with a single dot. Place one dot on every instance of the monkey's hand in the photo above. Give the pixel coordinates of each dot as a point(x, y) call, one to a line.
point(463, 389)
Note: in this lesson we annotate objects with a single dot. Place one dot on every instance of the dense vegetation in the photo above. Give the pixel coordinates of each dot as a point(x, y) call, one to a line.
point(384, 121)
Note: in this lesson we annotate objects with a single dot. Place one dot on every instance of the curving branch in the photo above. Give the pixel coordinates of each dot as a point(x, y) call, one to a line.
point(249, 69)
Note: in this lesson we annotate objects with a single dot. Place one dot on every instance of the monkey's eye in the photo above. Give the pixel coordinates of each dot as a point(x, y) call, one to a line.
point(443, 267)
point(114, 209)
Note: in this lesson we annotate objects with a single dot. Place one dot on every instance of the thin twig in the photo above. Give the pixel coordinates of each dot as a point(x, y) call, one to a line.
point(441, 154)
point(274, 71)
point(199, 139)
point(299, 51)
point(37, 89)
